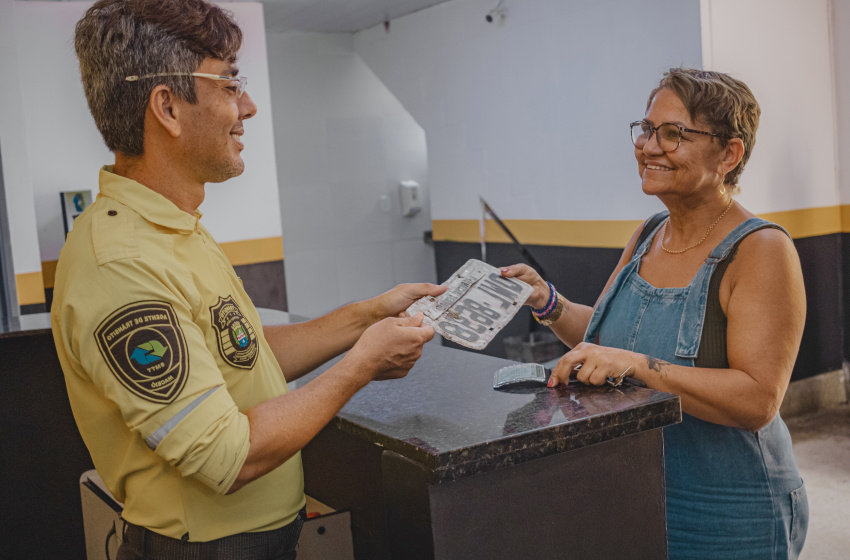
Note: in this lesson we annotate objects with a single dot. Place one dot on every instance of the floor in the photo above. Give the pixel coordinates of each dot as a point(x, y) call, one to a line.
point(822, 447)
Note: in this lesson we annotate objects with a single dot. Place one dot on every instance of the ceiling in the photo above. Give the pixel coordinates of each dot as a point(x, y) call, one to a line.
point(334, 16)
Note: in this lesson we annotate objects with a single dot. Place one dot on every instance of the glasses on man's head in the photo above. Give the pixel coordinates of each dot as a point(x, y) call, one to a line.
point(668, 135)
point(240, 81)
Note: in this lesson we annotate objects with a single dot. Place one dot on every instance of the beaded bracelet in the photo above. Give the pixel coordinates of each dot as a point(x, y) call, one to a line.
point(550, 304)
point(556, 313)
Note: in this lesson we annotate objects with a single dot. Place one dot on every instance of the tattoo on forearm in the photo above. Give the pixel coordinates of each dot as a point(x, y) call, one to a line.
point(655, 364)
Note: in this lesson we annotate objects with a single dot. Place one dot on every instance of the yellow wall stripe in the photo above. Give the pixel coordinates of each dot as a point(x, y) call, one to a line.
point(30, 288)
point(812, 221)
point(807, 222)
point(251, 251)
point(571, 233)
point(48, 272)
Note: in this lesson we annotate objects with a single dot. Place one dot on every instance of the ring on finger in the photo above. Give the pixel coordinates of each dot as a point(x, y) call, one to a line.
point(617, 381)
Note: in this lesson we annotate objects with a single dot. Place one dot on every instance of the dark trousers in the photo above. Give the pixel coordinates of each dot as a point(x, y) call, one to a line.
point(142, 544)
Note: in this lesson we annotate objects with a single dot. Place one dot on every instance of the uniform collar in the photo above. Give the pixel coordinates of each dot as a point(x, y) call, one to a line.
point(149, 204)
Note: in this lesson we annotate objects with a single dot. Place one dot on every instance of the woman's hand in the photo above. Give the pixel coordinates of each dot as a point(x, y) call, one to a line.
point(597, 364)
point(540, 295)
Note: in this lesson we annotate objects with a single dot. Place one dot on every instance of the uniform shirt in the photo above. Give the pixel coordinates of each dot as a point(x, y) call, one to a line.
point(162, 350)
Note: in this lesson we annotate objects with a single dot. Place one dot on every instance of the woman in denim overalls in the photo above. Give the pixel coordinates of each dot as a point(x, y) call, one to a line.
point(707, 302)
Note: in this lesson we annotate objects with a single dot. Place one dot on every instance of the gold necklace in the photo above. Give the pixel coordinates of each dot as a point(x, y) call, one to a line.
point(698, 243)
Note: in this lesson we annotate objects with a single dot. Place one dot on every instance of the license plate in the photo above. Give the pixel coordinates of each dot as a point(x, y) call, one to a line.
point(477, 305)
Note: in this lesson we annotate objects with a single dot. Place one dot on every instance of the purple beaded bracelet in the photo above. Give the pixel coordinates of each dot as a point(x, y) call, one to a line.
point(547, 309)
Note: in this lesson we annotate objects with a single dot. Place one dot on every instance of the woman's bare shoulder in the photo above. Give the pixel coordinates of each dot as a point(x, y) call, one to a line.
point(764, 254)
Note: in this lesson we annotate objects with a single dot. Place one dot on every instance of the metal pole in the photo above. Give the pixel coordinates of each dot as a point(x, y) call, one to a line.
point(10, 311)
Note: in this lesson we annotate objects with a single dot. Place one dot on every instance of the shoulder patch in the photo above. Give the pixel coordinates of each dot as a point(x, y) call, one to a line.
point(237, 339)
point(145, 348)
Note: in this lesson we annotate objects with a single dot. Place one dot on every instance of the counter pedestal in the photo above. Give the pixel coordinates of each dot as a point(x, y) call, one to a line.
point(441, 466)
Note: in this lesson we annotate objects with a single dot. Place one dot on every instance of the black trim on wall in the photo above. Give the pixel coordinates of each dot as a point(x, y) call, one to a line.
point(581, 273)
point(265, 284)
point(36, 307)
point(821, 349)
point(844, 271)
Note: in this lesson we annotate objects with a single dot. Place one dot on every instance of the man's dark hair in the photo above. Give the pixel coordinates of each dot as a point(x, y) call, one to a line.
point(120, 38)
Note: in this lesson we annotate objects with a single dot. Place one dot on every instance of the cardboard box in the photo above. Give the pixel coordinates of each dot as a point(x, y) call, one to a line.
point(326, 536)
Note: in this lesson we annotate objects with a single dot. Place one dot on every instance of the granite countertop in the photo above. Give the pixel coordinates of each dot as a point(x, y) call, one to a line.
point(446, 415)
point(25, 325)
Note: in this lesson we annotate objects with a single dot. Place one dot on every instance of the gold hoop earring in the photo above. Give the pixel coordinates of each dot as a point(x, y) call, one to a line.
point(722, 189)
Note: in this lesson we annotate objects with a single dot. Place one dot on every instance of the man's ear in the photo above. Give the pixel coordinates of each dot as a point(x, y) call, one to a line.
point(163, 105)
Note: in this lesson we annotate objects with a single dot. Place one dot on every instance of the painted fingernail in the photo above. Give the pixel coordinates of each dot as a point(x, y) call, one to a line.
point(551, 382)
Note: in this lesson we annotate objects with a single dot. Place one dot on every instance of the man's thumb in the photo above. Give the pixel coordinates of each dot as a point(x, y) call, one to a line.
point(414, 321)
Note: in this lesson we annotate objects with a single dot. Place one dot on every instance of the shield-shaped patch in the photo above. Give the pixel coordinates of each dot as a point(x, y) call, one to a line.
point(237, 340)
point(145, 348)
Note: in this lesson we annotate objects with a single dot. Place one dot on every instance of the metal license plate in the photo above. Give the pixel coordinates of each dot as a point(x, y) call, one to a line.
point(477, 305)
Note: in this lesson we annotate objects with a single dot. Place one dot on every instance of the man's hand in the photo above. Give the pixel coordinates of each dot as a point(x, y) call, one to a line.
point(389, 348)
point(394, 302)
point(302, 347)
point(282, 426)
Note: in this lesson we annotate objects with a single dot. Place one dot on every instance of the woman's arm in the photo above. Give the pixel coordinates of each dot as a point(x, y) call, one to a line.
point(764, 301)
point(575, 317)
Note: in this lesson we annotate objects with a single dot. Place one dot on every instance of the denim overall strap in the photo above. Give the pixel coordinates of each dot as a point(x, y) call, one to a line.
point(690, 329)
point(601, 310)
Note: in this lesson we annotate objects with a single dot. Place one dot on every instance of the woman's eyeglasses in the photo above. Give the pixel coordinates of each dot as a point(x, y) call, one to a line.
point(669, 135)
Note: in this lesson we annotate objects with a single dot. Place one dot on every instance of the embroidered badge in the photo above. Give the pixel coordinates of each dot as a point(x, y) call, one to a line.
point(145, 348)
point(237, 340)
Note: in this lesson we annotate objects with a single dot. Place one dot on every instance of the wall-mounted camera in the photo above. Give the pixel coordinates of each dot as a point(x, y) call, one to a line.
point(497, 14)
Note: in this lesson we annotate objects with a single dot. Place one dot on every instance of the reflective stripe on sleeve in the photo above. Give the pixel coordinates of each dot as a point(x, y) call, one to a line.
point(156, 438)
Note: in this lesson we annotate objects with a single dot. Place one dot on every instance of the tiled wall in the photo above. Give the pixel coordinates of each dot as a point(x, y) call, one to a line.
point(343, 144)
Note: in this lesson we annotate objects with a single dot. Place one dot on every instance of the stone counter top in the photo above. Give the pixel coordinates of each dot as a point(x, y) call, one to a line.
point(446, 415)
point(25, 325)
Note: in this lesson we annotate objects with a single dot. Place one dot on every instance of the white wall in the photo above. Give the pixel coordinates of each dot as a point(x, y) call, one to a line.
point(840, 11)
point(781, 49)
point(343, 142)
point(66, 151)
point(13, 147)
point(533, 113)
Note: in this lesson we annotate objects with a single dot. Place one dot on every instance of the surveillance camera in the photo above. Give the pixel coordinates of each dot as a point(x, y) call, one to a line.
point(497, 14)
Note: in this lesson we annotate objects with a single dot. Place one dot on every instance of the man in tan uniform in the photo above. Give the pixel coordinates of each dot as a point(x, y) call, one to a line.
point(178, 391)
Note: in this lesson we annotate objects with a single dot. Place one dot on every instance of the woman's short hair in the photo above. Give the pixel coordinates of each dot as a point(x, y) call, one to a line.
point(120, 38)
point(724, 104)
